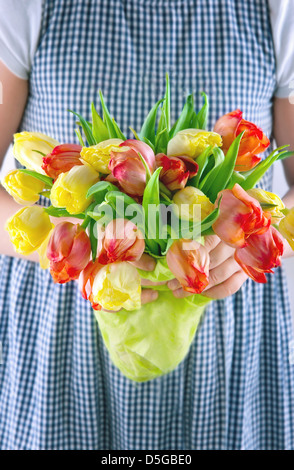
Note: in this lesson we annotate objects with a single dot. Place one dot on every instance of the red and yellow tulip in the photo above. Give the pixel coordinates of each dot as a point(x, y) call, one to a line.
point(240, 217)
point(261, 254)
point(127, 168)
point(176, 171)
point(62, 159)
point(253, 142)
point(68, 251)
point(122, 241)
point(189, 261)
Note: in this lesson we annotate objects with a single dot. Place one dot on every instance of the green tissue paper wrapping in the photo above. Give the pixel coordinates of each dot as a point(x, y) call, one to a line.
point(147, 343)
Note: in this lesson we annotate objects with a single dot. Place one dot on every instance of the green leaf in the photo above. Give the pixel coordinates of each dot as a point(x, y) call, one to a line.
point(185, 117)
point(98, 190)
point(226, 169)
point(86, 128)
point(135, 133)
point(202, 161)
point(254, 176)
point(147, 169)
point(100, 131)
point(57, 212)
point(93, 239)
point(79, 136)
point(148, 127)
point(194, 124)
point(166, 103)
point(202, 116)
point(46, 179)
point(107, 118)
point(149, 143)
point(151, 196)
point(119, 133)
point(208, 181)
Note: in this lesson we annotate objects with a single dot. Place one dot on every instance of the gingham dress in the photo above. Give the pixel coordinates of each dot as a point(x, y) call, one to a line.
point(58, 387)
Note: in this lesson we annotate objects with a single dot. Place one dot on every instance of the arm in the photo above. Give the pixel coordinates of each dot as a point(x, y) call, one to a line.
point(283, 133)
point(15, 93)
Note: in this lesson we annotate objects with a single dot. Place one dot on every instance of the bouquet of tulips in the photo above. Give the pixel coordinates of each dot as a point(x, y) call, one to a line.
point(160, 193)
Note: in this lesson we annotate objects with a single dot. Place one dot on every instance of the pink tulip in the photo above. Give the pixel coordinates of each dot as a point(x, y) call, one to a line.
point(122, 241)
point(189, 262)
point(253, 142)
point(261, 254)
point(240, 216)
point(62, 159)
point(68, 251)
point(176, 171)
point(127, 168)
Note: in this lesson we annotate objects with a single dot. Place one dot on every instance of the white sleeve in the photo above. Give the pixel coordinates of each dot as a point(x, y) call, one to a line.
point(20, 24)
point(282, 20)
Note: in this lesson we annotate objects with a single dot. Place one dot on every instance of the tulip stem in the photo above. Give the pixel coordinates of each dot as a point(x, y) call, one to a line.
point(86, 222)
point(164, 190)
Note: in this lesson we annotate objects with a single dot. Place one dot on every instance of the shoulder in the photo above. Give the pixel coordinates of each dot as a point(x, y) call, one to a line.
point(20, 23)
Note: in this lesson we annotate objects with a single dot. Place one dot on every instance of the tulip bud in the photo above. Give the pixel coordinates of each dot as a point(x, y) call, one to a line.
point(176, 171)
point(240, 216)
point(70, 189)
point(286, 227)
point(98, 156)
point(189, 201)
point(122, 242)
point(268, 200)
point(117, 286)
point(28, 229)
point(22, 187)
point(253, 142)
point(127, 168)
point(189, 262)
point(68, 251)
point(192, 142)
point(26, 148)
point(62, 159)
point(261, 254)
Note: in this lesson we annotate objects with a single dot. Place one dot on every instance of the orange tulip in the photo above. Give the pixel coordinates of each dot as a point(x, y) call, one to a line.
point(68, 251)
point(189, 262)
point(253, 142)
point(127, 168)
point(122, 241)
point(176, 171)
point(62, 159)
point(261, 254)
point(240, 216)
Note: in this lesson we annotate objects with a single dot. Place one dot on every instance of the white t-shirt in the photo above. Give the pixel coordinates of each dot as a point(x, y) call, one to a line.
point(20, 22)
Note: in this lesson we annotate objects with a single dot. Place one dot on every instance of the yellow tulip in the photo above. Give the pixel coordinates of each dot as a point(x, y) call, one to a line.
point(25, 144)
point(116, 286)
point(188, 202)
point(42, 251)
point(70, 189)
point(98, 156)
point(28, 229)
point(265, 197)
point(286, 227)
point(23, 188)
point(192, 142)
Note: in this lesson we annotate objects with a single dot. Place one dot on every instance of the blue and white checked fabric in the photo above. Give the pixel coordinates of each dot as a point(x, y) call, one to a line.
point(58, 387)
